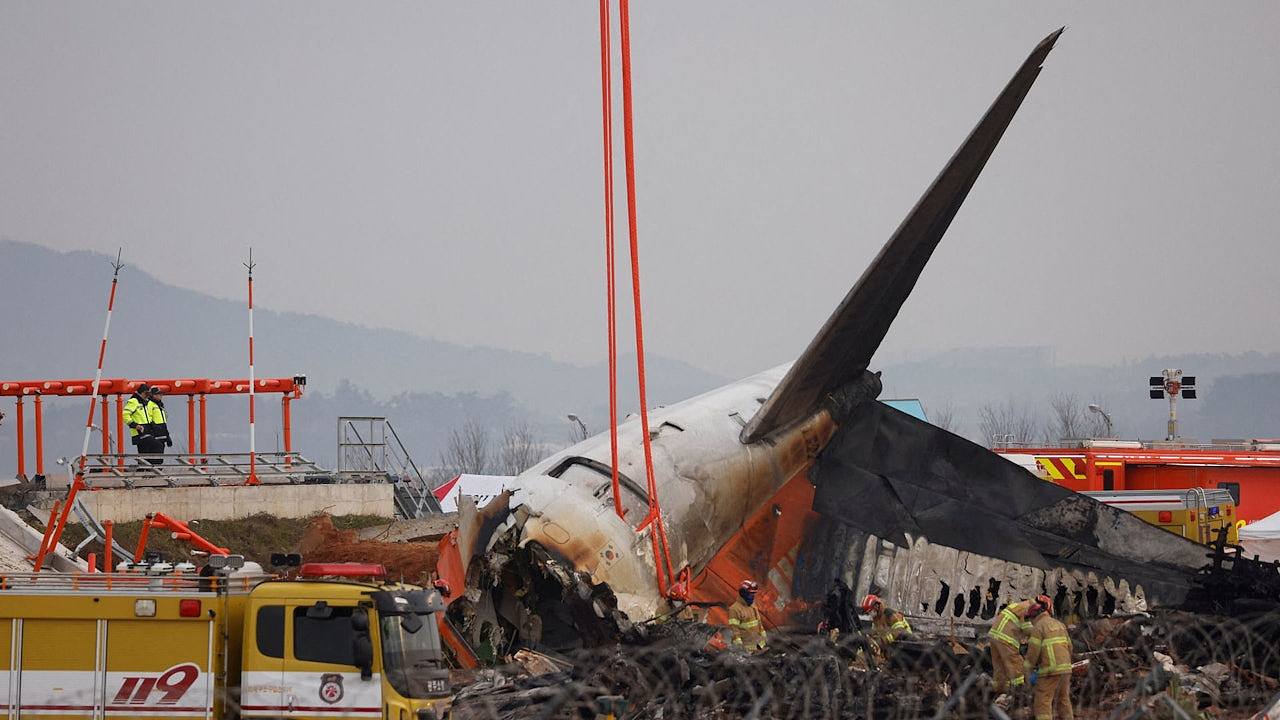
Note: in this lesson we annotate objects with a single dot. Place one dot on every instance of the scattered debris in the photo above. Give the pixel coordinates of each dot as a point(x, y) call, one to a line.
point(1143, 665)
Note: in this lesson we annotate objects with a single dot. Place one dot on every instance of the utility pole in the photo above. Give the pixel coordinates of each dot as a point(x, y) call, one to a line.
point(1106, 417)
point(581, 427)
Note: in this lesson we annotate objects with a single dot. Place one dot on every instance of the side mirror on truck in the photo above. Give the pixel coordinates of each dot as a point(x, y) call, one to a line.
point(362, 644)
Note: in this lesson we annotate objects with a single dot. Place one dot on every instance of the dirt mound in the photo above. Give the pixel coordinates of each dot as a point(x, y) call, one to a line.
point(412, 562)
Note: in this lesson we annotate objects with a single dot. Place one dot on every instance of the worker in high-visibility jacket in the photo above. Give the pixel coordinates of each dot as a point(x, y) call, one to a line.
point(745, 621)
point(135, 416)
point(1049, 664)
point(888, 626)
point(157, 425)
point(1006, 636)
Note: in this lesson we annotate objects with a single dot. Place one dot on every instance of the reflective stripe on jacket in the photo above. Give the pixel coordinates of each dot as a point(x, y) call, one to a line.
point(891, 626)
point(135, 414)
point(746, 625)
point(1049, 646)
point(1011, 626)
point(156, 419)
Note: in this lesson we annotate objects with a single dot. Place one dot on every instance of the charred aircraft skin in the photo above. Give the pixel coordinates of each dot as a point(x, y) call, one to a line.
point(797, 476)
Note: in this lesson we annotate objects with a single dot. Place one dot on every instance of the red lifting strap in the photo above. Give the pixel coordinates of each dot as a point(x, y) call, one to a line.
point(661, 550)
point(606, 96)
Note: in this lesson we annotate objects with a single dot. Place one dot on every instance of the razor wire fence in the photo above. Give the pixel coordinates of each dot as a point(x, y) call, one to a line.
point(1168, 667)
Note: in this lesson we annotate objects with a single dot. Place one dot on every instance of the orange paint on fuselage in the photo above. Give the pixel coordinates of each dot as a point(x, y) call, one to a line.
point(766, 550)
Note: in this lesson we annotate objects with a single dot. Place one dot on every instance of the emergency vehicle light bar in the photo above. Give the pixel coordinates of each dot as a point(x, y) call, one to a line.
point(342, 569)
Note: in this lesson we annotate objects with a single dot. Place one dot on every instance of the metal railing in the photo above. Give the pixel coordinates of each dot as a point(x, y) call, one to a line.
point(369, 449)
point(130, 582)
point(180, 469)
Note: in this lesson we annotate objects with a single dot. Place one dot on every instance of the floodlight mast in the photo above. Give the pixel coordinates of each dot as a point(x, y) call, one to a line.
point(1174, 385)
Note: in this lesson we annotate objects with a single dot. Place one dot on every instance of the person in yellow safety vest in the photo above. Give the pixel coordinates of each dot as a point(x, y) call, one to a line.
point(135, 416)
point(888, 626)
point(1049, 664)
point(745, 621)
point(157, 425)
point(1006, 636)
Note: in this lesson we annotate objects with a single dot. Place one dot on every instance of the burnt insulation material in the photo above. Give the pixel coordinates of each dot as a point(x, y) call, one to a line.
point(888, 474)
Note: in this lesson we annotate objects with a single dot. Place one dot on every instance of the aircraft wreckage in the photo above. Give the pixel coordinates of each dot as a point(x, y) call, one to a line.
point(798, 476)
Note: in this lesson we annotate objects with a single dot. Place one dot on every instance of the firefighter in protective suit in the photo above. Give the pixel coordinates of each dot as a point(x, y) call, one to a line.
point(1006, 636)
point(888, 626)
point(745, 621)
point(1049, 664)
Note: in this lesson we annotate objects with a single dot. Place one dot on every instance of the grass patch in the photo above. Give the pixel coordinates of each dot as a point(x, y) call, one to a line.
point(255, 537)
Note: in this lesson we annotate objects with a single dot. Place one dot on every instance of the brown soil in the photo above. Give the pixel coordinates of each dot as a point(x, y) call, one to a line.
point(325, 541)
point(256, 537)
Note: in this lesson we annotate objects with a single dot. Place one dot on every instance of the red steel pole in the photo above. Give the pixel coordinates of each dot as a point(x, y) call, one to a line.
point(204, 435)
point(39, 438)
point(107, 539)
point(48, 532)
point(191, 424)
point(22, 441)
point(119, 430)
point(286, 429)
point(106, 426)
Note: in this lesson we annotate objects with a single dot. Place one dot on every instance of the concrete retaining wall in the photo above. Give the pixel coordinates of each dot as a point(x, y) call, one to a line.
point(230, 502)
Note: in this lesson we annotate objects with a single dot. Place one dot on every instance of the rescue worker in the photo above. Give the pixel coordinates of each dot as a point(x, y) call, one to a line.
point(678, 599)
point(135, 416)
point(1049, 663)
point(157, 426)
point(888, 626)
point(744, 619)
point(1006, 636)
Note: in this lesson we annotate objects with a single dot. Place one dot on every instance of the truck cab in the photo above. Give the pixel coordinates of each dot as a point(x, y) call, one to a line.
point(321, 647)
point(157, 641)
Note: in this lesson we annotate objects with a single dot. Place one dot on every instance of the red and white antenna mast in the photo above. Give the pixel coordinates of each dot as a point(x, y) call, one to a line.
point(253, 451)
point(78, 482)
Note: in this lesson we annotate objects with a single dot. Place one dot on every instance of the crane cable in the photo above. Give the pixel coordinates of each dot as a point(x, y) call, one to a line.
point(606, 95)
point(661, 551)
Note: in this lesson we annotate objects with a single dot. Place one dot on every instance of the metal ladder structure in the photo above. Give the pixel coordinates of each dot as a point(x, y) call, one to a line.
point(370, 450)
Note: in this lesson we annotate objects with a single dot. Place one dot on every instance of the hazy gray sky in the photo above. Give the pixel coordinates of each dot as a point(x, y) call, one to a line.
point(435, 167)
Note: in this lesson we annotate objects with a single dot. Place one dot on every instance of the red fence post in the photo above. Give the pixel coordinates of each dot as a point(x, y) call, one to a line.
point(39, 438)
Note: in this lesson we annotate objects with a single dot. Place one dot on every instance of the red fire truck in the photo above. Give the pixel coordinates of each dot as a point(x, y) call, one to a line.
point(1248, 469)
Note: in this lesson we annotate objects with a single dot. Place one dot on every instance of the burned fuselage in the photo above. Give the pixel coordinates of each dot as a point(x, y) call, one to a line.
point(944, 529)
point(798, 476)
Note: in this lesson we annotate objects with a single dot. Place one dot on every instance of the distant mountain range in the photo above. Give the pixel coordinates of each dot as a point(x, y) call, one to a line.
point(53, 319)
point(54, 304)
point(1239, 395)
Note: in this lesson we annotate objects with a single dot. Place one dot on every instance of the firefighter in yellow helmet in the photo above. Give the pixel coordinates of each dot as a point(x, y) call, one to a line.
point(745, 622)
point(1006, 636)
point(888, 626)
point(1049, 663)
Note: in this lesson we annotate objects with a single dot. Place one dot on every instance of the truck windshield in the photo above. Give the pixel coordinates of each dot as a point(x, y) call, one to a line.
point(412, 660)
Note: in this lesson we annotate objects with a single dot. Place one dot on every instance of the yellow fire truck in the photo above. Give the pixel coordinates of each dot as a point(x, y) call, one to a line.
point(1196, 513)
point(166, 641)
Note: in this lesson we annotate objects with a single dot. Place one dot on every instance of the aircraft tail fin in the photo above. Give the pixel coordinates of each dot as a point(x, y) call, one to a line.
point(843, 348)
